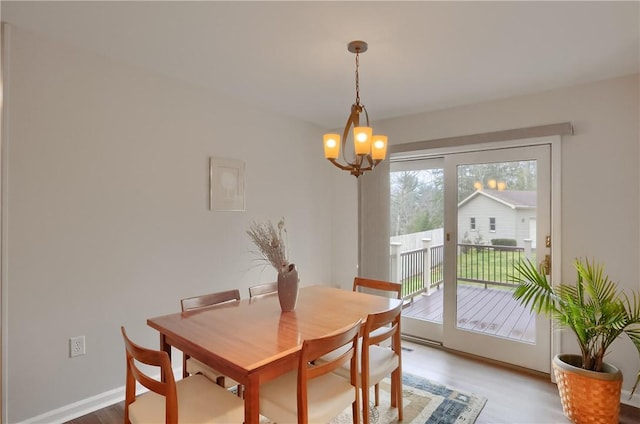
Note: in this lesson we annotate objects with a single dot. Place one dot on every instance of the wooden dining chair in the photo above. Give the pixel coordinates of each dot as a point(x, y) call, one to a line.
point(379, 356)
point(191, 366)
point(314, 393)
point(377, 287)
point(378, 361)
point(193, 399)
point(262, 290)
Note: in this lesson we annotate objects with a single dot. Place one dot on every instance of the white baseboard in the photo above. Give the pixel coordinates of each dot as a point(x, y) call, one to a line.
point(634, 401)
point(89, 405)
point(80, 408)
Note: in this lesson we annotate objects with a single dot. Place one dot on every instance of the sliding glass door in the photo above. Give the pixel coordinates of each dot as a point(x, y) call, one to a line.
point(462, 220)
point(417, 243)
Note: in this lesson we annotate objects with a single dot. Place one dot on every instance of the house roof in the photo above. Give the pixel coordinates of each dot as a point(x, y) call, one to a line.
point(515, 199)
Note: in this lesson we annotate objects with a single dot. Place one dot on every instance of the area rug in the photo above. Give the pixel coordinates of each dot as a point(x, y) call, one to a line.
point(425, 402)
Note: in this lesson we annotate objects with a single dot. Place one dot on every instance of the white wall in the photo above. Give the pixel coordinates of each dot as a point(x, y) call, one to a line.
point(344, 219)
point(600, 180)
point(107, 207)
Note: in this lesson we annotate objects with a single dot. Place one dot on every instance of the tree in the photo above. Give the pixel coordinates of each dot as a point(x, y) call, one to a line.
point(404, 199)
point(416, 201)
point(422, 222)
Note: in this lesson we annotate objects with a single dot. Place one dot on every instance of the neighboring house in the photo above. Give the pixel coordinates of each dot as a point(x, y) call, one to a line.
point(491, 214)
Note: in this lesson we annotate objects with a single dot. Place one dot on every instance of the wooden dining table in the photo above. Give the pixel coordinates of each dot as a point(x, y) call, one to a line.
point(253, 341)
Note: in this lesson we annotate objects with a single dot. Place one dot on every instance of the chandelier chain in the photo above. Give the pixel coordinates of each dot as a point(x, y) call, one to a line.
point(357, 78)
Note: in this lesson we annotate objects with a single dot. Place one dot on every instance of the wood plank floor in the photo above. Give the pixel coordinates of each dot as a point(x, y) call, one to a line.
point(490, 311)
point(514, 396)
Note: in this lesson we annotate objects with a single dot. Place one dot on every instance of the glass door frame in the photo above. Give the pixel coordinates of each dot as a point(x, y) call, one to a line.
point(535, 355)
point(554, 141)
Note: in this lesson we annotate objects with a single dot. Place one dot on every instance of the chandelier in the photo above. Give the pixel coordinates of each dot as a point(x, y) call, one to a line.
point(369, 149)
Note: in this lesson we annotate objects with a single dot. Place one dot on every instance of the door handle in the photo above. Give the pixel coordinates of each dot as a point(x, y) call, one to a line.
point(545, 265)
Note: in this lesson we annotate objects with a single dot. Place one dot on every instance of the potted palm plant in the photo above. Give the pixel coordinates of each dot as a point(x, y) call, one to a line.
point(597, 314)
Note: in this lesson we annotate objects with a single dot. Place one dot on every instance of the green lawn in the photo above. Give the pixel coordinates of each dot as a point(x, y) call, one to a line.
point(476, 264)
point(488, 265)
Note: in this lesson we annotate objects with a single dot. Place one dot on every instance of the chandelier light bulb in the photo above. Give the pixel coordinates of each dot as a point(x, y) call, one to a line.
point(331, 146)
point(362, 140)
point(378, 147)
point(362, 137)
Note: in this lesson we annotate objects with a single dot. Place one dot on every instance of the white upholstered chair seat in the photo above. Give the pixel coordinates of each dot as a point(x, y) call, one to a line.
point(381, 362)
point(199, 402)
point(328, 396)
point(196, 367)
point(191, 400)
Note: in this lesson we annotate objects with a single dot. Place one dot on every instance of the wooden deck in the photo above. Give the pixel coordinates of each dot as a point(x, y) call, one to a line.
point(489, 311)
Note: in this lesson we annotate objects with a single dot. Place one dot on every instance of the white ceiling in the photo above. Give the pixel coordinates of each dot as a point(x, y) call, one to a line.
point(291, 57)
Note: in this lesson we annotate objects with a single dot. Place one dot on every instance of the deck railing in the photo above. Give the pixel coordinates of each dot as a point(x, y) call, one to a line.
point(421, 270)
point(486, 264)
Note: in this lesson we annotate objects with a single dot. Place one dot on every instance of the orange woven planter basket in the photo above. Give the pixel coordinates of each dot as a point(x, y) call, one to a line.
point(588, 397)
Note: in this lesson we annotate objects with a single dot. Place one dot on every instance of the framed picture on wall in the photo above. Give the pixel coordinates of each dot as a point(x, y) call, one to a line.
point(226, 184)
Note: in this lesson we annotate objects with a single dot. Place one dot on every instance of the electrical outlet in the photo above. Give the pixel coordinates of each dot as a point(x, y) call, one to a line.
point(76, 346)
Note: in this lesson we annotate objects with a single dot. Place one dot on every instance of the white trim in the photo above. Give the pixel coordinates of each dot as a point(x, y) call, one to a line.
point(465, 141)
point(634, 401)
point(4, 298)
point(439, 152)
point(556, 239)
point(80, 408)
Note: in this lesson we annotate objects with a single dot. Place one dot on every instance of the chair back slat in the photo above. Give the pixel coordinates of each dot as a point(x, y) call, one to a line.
point(202, 301)
point(316, 348)
point(263, 290)
point(377, 286)
point(383, 334)
point(386, 323)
